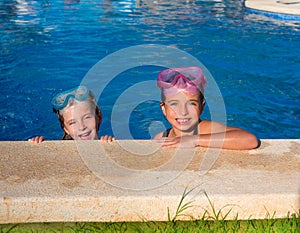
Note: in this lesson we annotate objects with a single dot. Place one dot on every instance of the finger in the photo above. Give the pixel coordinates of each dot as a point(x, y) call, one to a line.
point(35, 139)
point(170, 142)
point(112, 138)
point(103, 138)
point(107, 138)
point(40, 139)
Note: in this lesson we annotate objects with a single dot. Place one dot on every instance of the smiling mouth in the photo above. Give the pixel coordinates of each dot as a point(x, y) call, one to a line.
point(84, 135)
point(183, 120)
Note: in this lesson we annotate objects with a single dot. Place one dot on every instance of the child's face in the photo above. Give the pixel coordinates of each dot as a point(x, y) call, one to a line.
point(183, 111)
point(80, 122)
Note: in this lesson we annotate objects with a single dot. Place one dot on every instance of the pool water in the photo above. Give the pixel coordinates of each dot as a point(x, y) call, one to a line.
point(49, 46)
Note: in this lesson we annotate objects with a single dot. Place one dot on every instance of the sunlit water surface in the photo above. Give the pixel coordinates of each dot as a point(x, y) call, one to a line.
point(49, 46)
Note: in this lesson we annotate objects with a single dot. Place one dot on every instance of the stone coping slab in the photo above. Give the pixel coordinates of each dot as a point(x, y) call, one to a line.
point(83, 181)
point(290, 7)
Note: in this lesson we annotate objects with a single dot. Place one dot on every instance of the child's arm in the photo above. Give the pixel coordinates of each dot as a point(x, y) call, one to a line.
point(37, 139)
point(215, 135)
point(232, 138)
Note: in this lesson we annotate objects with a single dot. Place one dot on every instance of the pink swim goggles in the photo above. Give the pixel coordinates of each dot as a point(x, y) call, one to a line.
point(188, 79)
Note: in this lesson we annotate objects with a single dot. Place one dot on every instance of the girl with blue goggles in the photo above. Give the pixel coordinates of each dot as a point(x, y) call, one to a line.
point(79, 115)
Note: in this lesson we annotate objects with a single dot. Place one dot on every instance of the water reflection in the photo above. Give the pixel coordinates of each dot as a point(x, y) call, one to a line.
point(50, 45)
point(219, 13)
point(70, 2)
point(23, 18)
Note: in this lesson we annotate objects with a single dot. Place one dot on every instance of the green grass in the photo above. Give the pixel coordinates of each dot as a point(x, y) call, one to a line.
point(288, 225)
point(212, 221)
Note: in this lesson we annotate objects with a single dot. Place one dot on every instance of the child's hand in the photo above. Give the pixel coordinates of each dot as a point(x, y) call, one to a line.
point(37, 139)
point(107, 138)
point(182, 142)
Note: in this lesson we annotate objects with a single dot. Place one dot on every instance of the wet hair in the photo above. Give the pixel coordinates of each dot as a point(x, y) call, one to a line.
point(93, 104)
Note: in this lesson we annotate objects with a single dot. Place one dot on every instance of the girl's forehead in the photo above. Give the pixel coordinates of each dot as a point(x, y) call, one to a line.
point(77, 108)
point(182, 95)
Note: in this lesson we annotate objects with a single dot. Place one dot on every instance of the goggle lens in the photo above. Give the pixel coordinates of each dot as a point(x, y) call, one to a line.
point(191, 75)
point(61, 100)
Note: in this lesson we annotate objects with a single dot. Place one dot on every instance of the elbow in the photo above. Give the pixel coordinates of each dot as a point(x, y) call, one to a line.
point(252, 142)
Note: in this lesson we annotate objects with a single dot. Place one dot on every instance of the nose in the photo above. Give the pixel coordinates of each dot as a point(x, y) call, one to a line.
point(183, 110)
point(82, 125)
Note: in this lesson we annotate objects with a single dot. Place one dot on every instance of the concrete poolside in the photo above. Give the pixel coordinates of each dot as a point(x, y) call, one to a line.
point(66, 181)
point(290, 7)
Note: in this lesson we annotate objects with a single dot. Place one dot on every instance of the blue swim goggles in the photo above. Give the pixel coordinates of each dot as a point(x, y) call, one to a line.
point(61, 100)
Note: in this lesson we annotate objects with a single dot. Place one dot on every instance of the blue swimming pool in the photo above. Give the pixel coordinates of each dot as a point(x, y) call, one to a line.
point(48, 46)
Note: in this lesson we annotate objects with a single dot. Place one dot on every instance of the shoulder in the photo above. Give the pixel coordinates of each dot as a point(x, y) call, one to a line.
point(206, 127)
